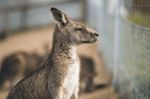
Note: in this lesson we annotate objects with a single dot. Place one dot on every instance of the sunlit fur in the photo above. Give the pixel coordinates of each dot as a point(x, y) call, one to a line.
point(58, 78)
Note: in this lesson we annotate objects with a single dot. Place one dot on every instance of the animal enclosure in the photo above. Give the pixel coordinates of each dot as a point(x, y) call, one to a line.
point(22, 52)
point(125, 27)
point(121, 56)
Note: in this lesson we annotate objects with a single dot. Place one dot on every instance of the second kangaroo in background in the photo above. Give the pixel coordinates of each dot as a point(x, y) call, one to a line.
point(58, 78)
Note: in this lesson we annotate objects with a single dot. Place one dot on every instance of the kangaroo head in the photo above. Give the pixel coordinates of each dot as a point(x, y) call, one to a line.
point(71, 32)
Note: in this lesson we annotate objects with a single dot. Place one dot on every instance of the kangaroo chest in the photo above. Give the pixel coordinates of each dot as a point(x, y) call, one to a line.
point(71, 81)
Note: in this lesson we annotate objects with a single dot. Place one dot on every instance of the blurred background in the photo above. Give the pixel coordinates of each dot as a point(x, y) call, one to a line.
point(116, 67)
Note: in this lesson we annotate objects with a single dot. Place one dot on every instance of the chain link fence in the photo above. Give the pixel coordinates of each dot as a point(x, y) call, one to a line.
point(125, 34)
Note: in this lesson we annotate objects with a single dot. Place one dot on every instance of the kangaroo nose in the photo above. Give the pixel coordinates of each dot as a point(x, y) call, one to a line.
point(96, 34)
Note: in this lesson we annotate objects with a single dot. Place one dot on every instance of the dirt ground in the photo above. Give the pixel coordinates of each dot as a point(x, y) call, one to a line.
point(32, 41)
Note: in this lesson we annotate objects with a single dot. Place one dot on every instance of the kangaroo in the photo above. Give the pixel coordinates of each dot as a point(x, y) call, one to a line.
point(58, 78)
point(87, 74)
point(11, 67)
point(18, 65)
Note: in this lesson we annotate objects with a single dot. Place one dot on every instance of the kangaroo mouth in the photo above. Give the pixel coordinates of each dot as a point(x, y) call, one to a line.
point(90, 41)
point(86, 42)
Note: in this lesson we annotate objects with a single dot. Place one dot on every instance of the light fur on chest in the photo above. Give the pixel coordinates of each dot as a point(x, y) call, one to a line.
point(71, 81)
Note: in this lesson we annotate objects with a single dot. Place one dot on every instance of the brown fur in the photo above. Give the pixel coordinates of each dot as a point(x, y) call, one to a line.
point(58, 78)
point(87, 74)
point(17, 65)
point(12, 66)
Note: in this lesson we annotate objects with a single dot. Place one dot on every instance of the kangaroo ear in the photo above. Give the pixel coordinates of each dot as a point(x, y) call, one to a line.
point(59, 16)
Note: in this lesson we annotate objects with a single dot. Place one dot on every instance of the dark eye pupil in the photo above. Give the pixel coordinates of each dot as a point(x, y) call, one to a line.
point(78, 29)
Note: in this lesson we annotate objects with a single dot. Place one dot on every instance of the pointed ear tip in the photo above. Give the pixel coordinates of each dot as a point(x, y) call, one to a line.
point(53, 9)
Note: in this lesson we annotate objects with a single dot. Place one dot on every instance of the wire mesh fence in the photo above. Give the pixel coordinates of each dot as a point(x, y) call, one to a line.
point(125, 27)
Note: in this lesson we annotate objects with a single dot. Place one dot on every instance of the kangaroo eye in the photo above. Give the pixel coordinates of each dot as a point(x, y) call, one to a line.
point(79, 29)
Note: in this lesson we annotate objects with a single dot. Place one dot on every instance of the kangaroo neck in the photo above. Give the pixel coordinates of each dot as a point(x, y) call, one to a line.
point(62, 50)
